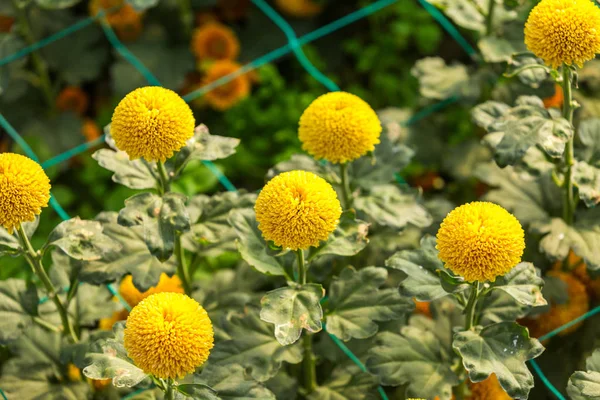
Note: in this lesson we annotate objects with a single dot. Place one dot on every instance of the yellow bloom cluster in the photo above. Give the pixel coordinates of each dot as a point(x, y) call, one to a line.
point(215, 41)
point(297, 210)
point(564, 31)
point(229, 94)
point(24, 190)
point(480, 241)
point(339, 127)
point(152, 122)
point(168, 335)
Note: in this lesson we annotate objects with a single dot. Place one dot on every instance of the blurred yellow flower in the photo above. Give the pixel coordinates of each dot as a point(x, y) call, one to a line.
point(299, 8)
point(106, 324)
point(297, 209)
point(564, 31)
point(126, 21)
point(488, 389)
point(339, 127)
point(73, 373)
point(24, 190)
point(229, 94)
point(480, 241)
point(90, 130)
point(100, 384)
point(152, 122)
point(168, 335)
point(72, 98)
point(133, 296)
point(215, 41)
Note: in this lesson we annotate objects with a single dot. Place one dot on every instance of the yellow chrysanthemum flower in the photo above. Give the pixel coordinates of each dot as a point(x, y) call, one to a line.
point(100, 384)
point(297, 209)
point(560, 314)
point(152, 122)
point(215, 41)
point(489, 389)
point(133, 296)
point(106, 324)
point(229, 94)
point(299, 8)
point(121, 16)
point(564, 31)
point(168, 335)
point(480, 241)
point(339, 127)
point(73, 373)
point(24, 190)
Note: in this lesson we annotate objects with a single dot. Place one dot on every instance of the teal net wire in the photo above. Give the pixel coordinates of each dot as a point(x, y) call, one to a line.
point(294, 45)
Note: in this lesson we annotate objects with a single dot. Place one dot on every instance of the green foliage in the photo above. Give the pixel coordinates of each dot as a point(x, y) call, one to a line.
point(586, 384)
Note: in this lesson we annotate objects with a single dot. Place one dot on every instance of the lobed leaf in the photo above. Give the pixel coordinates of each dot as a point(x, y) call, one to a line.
point(18, 304)
point(230, 383)
point(587, 180)
point(524, 284)
point(346, 383)
point(134, 174)
point(585, 385)
point(348, 239)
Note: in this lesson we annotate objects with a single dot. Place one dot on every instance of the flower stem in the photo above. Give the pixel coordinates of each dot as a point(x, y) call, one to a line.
point(308, 363)
point(164, 178)
point(568, 196)
point(169, 392)
point(34, 259)
point(301, 267)
point(182, 270)
point(345, 186)
point(489, 20)
point(471, 306)
point(38, 62)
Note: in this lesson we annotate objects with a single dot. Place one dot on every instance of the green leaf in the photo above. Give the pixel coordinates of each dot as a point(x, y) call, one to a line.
point(438, 81)
point(495, 50)
point(388, 205)
point(13, 76)
point(211, 234)
point(203, 146)
point(161, 218)
point(231, 383)
point(133, 258)
point(292, 309)
point(420, 266)
point(526, 125)
point(113, 362)
point(587, 180)
point(524, 284)
point(135, 174)
point(532, 77)
point(583, 237)
point(197, 391)
point(501, 349)
point(464, 13)
point(355, 302)
point(252, 346)
point(346, 384)
point(499, 306)
point(142, 5)
point(348, 239)
point(56, 4)
point(588, 141)
point(18, 304)
point(81, 240)
point(251, 245)
point(415, 359)
point(585, 385)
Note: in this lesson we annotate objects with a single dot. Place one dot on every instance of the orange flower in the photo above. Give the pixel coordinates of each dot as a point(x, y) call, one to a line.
point(560, 314)
point(422, 307)
point(90, 129)
point(215, 41)
point(73, 373)
point(489, 389)
point(100, 384)
point(556, 100)
point(72, 98)
point(123, 17)
point(299, 8)
point(578, 267)
point(6, 23)
point(227, 95)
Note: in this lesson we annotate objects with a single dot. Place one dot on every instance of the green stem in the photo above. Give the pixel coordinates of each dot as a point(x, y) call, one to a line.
point(471, 306)
point(164, 178)
point(345, 186)
point(489, 21)
point(169, 392)
point(308, 363)
point(182, 270)
point(34, 259)
point(301, 267)
point(38, 62)
point(568, 195)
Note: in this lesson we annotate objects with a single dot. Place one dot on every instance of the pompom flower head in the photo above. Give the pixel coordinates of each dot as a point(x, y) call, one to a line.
point(24, 190)
point(215, 41)
point(339, 127)
point(152, 122)
point(168, 335)
point(564, 31)
point(229, 94)
point(133, 296)
point(297, 210)
point(480, 241)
